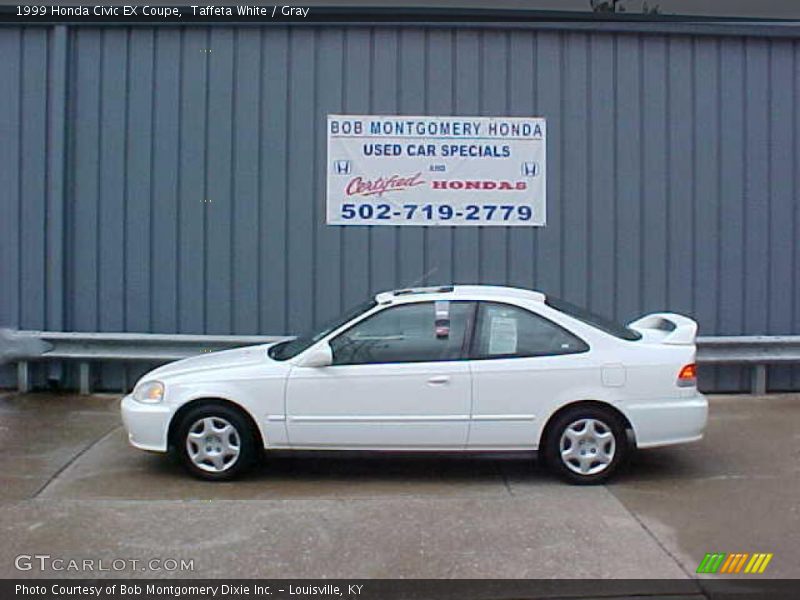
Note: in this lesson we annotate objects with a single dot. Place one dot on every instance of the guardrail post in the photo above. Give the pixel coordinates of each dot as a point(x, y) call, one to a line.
point(23, 377)
point(85, 384)
point(758, 384)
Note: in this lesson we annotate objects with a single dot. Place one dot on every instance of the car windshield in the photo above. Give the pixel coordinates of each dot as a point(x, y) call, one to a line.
point(291, 348)
point(607, 325)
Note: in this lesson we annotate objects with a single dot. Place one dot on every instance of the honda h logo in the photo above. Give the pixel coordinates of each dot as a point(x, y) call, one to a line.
point(530, 169)
point(341, 167)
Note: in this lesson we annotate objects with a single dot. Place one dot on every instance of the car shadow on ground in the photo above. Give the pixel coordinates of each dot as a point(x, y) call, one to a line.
point(405, 467)
point(361, 467)
point(110, 469)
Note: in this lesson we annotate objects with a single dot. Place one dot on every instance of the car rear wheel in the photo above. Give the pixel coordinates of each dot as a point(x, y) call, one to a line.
point(215, 442)
point(586, 445)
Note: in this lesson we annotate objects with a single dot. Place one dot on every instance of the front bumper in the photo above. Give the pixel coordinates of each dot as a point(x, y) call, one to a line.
point(668, 421)
point(147, 424)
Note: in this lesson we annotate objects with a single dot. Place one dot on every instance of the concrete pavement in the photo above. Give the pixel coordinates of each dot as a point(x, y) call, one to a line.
point(72, 488)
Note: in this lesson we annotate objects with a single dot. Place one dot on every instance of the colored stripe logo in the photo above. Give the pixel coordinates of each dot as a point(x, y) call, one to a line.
point(737, 562)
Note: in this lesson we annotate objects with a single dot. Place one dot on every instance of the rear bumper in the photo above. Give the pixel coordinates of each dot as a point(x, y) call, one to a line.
point(146, 424)
point(668, 421)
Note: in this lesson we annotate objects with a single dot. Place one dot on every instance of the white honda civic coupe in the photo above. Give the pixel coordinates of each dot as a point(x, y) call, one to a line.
point(444, 369)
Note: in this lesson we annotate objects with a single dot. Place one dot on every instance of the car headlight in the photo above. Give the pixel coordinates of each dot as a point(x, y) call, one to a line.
point(149, 392)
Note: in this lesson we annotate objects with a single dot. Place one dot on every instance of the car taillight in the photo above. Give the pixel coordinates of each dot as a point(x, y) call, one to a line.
point(688, 376)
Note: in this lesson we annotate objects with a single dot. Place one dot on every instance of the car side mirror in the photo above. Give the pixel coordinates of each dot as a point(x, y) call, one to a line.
point(320, 355)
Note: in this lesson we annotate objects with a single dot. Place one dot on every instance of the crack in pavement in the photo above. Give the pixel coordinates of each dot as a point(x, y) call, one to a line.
point(72, 460)
point(652, 535)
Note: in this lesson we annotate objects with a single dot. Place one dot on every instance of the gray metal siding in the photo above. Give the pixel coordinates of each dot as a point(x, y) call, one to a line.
point(172, 179)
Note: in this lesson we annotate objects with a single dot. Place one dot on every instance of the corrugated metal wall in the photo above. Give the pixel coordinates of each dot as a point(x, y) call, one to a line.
point(172, 179)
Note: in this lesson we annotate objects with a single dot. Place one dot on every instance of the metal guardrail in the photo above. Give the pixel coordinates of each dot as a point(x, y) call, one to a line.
point(756, 351)
point(23, 347)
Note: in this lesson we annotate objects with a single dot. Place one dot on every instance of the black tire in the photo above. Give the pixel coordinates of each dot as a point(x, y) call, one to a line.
point(597, 470)
point(242, 437)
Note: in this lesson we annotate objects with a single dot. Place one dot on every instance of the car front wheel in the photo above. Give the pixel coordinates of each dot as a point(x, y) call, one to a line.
point(215, 442)
point(586, 445)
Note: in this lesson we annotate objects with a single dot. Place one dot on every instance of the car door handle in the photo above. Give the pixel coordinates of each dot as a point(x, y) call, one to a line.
point(439, 379)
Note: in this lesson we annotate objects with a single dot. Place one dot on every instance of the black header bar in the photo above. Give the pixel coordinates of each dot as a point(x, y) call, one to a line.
point(260, 14)
point(388, 589)
point(256, 15)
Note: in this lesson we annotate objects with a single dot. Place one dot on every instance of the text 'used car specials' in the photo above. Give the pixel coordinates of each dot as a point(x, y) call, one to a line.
point(402, 170)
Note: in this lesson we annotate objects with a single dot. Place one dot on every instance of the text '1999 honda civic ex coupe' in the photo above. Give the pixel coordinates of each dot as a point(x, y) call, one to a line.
point(443, 369)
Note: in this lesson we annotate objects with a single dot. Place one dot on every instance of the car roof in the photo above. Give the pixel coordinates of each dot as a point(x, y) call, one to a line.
point(458, 292)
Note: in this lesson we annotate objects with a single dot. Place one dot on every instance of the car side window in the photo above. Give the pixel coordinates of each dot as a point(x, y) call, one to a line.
point(415, 332)
point(506, 331)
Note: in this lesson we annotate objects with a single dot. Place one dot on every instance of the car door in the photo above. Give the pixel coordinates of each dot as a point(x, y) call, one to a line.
point(398, 381)
point(522, 365)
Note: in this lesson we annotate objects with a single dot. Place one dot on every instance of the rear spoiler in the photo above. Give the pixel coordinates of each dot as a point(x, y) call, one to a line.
point(666, 328)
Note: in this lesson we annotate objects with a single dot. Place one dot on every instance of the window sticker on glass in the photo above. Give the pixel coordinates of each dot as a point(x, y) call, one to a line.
point(502, 335)
point(442, 324)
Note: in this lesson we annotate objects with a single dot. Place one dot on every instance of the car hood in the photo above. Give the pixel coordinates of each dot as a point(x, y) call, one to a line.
point(224, 359)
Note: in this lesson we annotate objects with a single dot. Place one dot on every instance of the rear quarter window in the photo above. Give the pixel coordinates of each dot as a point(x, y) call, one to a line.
point(603, 324)
point(506, 331)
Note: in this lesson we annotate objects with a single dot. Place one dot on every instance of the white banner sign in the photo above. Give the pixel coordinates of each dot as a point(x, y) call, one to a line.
point(399, 170)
